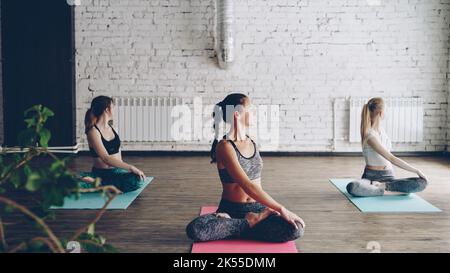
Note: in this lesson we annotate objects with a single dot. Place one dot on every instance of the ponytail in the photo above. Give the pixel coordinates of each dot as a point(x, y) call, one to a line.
point(217, 116)
point(220, 114)
point(370, 110)
point(366, 122)
point(89, 120)
point(213, 150)
point(98, 107)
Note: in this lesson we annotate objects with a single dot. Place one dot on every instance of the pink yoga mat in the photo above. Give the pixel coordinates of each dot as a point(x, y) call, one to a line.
point(240, 246)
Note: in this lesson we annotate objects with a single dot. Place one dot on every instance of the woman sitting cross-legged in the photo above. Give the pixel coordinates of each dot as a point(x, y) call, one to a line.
point(104, 146)
point(378, 176)
point(246, 210)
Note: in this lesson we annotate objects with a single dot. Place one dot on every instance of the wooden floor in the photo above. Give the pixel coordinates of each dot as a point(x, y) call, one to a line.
point(156, 220)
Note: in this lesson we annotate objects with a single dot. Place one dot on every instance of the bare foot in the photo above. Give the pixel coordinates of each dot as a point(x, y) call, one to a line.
point(222, 215)
point(383, 186)
point(88, 179)
point(255, 218)
point(379, 185)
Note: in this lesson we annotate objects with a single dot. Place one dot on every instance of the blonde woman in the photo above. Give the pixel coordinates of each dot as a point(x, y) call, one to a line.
point(378, 176)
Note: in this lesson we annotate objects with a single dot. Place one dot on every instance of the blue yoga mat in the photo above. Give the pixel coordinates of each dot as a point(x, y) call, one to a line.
point(386, 203)
point(97, 201)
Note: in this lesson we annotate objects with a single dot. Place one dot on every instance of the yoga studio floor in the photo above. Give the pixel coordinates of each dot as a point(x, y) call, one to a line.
point(156, 221)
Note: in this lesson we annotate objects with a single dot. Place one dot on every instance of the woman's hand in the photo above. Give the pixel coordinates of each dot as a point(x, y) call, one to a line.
point(421, 175)
point(138, 172)
point(292, 218)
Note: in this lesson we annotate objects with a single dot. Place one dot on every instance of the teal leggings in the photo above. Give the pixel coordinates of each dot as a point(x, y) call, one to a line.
point(122, 179)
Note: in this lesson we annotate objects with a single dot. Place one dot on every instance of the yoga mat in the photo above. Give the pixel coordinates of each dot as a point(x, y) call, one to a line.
point(97, 201)
point(240, 246)
point(386, 203)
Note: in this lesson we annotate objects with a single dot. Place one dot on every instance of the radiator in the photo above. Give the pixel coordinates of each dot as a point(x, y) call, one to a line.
point(403, 120)
point(143, 119)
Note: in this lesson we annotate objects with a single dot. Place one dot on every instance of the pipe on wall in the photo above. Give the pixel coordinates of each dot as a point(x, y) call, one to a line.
point(225, 33)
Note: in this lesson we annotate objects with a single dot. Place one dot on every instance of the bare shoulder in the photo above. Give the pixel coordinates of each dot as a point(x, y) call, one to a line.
point(374, 142)
point(224, 147)
point(92, 133)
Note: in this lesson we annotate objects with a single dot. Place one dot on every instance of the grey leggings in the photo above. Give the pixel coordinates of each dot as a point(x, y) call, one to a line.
point(210, 227)
point(405, 185)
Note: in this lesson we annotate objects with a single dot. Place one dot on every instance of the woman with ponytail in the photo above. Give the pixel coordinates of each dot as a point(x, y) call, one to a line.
point(378, 176)
point(104, 146)
point(246, 210)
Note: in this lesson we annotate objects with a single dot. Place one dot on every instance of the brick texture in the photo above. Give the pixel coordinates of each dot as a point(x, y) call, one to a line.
point(301, 55)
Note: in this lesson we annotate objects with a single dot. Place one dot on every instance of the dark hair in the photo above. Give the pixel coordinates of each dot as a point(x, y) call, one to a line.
point(233, 100)
point(98, 107)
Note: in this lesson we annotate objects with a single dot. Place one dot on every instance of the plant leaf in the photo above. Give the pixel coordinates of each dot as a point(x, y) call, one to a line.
point(15, 179)
point(33, 182)
point(30, 122)
point(91, 229)
point(44, 137)
point(46, 113)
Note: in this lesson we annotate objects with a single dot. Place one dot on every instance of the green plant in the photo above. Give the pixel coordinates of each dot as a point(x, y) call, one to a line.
point(44, 186)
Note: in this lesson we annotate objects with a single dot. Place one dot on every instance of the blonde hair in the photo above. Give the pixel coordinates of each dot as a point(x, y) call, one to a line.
point(370, 110)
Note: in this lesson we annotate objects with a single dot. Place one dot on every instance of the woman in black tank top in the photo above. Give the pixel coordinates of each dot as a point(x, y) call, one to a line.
point(104, 146)
point(246, 210)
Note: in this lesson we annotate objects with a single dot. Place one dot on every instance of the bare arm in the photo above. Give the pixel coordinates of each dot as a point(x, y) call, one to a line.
point(95, 141)
point(376, 145)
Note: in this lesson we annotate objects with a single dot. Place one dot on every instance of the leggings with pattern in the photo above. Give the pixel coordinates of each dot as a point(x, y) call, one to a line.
point(210, 227)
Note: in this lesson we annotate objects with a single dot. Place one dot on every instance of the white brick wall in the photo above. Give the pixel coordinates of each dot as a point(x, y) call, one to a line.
point(300, 54)
point(448, 121)
point(448, 103)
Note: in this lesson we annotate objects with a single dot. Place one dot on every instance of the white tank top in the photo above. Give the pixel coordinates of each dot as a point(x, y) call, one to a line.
point(370, 155)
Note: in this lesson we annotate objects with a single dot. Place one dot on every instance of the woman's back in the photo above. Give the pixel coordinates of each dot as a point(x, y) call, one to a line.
point(371, 157)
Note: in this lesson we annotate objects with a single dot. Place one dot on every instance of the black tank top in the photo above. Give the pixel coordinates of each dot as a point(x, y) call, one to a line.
point(112, 146)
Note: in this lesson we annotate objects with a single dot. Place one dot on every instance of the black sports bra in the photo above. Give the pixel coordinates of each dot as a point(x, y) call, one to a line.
point(112, 146)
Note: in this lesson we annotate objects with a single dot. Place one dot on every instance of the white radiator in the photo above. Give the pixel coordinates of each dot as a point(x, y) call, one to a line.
point(142, 119)
point(403, 120)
